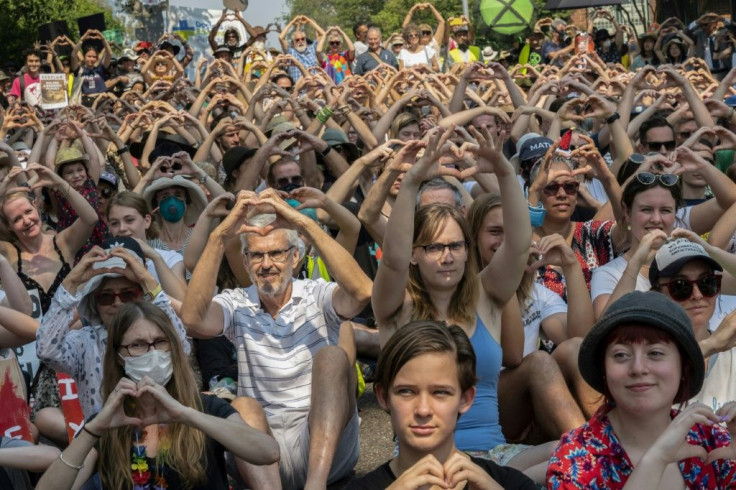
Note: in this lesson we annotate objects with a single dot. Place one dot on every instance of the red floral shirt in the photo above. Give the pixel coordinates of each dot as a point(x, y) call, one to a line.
point(592, 457)
point(593, 247)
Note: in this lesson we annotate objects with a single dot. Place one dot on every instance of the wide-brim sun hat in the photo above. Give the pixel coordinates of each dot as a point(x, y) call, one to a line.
point(646, 309)
point(197, 198)
point(86, 307)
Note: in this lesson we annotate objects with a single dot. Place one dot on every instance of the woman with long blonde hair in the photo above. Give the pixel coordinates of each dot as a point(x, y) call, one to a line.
point(155, 427)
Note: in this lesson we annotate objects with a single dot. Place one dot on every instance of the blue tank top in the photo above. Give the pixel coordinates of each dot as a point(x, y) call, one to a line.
point(478, 429)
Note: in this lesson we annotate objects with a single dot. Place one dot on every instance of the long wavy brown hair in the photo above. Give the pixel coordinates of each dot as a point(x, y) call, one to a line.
point(186, 455)
point(428, 223)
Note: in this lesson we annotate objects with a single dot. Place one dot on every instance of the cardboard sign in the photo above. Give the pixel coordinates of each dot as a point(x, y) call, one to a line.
point(54, 94)
point(70, 404)
point(15, 421)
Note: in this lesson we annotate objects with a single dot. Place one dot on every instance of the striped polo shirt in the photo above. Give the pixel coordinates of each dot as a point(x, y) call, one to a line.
point(275, 354)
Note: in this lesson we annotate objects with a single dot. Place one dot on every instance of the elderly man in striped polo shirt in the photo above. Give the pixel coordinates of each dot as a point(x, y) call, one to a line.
point(293, 359)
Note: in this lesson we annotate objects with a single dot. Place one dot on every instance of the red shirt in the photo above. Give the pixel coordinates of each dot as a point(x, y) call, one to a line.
point(591, 457)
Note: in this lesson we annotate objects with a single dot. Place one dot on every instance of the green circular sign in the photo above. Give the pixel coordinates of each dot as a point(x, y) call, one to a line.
point(507, 16)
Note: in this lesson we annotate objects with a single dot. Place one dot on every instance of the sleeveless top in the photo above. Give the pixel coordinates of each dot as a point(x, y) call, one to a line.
point(30, 283)
point(479, 429)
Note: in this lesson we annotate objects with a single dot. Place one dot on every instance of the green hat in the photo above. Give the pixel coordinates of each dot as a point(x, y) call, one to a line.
point(69, 155)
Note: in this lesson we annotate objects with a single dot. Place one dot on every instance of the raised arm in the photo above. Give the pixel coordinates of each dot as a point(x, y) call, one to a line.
point(354, 288)
point(511, 258)
point(202, 317)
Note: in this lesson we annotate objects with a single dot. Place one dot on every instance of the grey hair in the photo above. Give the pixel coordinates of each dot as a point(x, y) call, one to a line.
point(374, 28)
point(263, 220)
point(439, 183)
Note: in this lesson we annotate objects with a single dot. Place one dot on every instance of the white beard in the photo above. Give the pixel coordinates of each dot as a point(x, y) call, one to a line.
point(301, 49)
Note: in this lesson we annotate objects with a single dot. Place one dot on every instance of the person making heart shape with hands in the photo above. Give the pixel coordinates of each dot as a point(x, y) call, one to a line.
point(155, 426)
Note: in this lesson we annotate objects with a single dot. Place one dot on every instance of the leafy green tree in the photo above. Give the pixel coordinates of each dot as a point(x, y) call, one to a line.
point(393, 12)
point(21, 18)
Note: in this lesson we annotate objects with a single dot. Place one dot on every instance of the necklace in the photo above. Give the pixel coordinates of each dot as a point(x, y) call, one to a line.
point(143, 477)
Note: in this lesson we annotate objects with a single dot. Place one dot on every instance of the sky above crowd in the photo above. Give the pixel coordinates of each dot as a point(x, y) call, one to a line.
point(261, 12)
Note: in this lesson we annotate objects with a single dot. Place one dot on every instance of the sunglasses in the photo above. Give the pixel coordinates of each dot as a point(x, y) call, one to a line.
point(127, 296)
point(656, 145)
point(284, 181)
point(426, 33)
point(175, 167)
point(682, 289)
point(648, 178)
point(570, 188)
point(335, 43)
point(412, 35)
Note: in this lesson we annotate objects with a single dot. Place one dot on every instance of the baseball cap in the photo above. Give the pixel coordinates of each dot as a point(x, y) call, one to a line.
point(673, 256)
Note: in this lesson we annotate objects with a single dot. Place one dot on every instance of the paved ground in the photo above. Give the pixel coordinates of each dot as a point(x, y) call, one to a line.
point(376, 437)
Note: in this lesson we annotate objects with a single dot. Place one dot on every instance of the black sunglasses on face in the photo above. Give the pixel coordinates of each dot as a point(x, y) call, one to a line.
point(426, 33)
point(570, 188)
point(284, 181)
point(657, 145)
point(682, 289)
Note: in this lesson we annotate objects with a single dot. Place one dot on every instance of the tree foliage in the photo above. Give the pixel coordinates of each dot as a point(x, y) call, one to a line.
point(21, 19)
point(387, 14)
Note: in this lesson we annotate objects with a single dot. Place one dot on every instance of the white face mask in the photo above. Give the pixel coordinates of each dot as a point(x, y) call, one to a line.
point(607, 43)
point(155, 364)
point(259, 45)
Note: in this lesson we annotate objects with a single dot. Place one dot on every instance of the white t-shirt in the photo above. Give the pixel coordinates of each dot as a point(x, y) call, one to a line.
point(422, 57)
point(170, 257)
point(606, 277)
point(719, 387)
point(542, 304)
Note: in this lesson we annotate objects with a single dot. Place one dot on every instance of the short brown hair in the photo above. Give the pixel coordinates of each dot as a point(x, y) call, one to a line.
point(425, 337)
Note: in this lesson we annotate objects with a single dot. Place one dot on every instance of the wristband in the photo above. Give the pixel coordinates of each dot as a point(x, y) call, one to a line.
point(613, 118)
point(84, 428)
point(123, 149)
point(536, 214)
point(151, 295)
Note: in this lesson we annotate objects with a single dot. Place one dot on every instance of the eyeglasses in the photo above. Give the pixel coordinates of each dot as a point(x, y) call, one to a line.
point(284, 181)
point(570, 188)
point(426, 33)
point(437, 250)
point(412, 35)
point(682, 289)
point(656, 145)
point(648, 178)
point(335, 43)
point(274, 255)
point(139, 348)
point(105, 298)
point(300, 39)
point(175, 167)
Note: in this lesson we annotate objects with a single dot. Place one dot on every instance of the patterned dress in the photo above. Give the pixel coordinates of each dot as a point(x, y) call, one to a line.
point(592, 457)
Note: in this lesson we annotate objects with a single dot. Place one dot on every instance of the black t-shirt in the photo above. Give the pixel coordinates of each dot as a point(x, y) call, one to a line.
point(508, 478)
point(216, 476)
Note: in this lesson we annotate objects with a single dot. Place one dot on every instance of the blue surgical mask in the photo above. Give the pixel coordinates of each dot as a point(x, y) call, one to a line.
point(172, 209)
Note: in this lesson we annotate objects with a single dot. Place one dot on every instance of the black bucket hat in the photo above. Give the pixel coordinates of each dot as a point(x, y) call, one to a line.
point(651, 309)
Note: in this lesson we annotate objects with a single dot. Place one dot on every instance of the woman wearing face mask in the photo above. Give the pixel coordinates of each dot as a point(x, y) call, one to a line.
point(155, 428)
point(128, 215)
point(96, 288)
point(179, 203)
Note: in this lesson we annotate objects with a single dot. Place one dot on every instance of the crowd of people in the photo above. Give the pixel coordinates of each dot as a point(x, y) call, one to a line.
point(529, 253)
